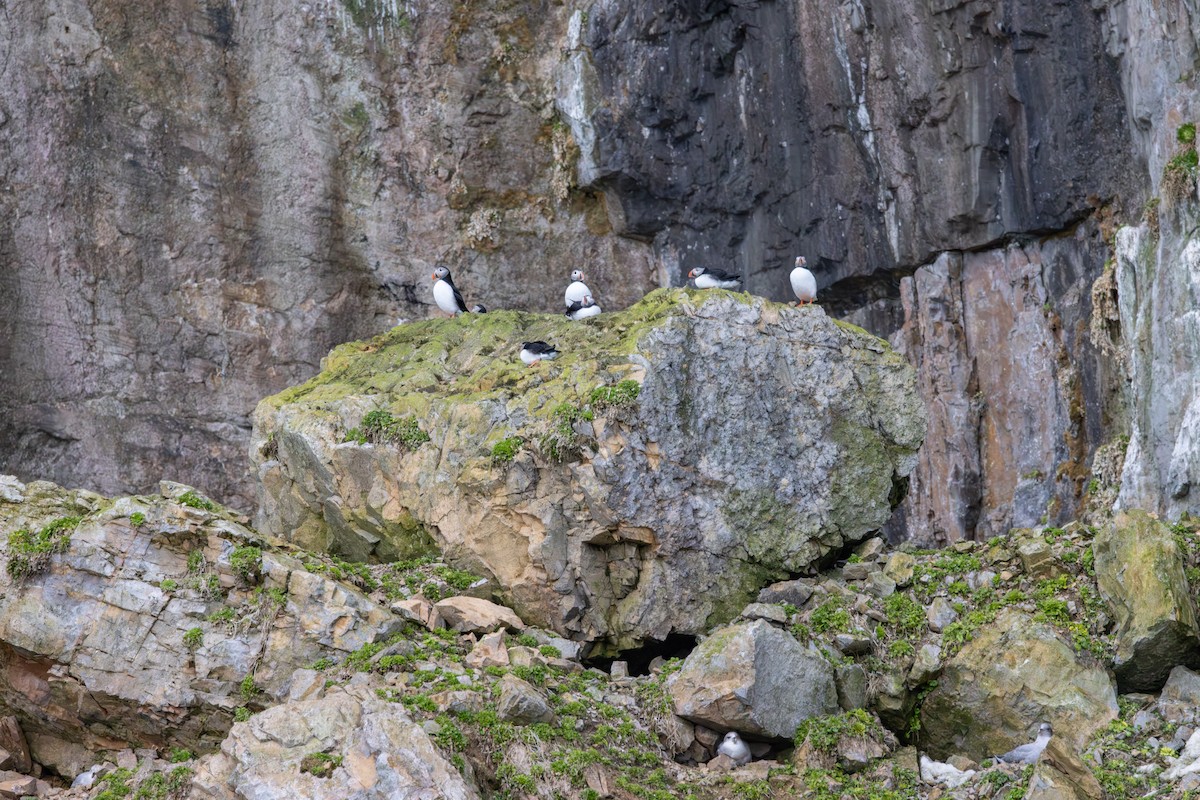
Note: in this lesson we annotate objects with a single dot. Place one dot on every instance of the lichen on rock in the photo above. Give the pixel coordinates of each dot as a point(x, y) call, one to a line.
point(762, 438)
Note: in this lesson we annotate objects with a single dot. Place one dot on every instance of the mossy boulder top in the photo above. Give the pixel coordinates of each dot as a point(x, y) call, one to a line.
point(675, 458)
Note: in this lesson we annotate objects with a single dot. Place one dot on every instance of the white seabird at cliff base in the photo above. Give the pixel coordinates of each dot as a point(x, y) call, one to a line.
point(804, 283)
point(1028, 753)
point(733, 746)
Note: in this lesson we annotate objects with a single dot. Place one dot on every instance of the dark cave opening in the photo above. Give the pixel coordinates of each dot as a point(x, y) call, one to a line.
point(676, 645)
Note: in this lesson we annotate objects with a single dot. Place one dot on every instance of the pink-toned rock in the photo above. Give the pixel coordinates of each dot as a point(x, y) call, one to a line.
point(419, 610)
point(473, 615)
point(17, 786)
point(488, 652)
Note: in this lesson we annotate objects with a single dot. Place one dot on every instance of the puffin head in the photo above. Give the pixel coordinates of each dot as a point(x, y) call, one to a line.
point(577, 275)
point(801, 261)
point(696, 273)
point(440, 273)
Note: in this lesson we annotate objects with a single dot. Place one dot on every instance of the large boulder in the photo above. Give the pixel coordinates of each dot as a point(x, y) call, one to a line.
point(1140, 574)
point(345, 745)
point(761, 438)
point(139, 626)
point(1015, 673)
point(756, 679)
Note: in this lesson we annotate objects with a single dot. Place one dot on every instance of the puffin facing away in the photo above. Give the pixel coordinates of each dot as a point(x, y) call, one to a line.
point(735, 748)
point(804, 283)
point(714, 278)
point(1028, 753)
point(583, 309)
point(445, 294)
point(577, 290)
point(533, 352)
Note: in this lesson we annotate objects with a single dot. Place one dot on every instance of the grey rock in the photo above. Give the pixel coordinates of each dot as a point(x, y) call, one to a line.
point(1140, 575)
point(851, 644)
point(694, 506)
point(1037, 558)
point(880, 585)
point(856, 571)
point(522, 704)
point(870, 549)
point(795, 592)
point(764, 611)
point(385, 754)
point(851, 681)
point(753, 678)
point(1179, 701)
point(940, 613)
point(900, 568)
point(926, 665)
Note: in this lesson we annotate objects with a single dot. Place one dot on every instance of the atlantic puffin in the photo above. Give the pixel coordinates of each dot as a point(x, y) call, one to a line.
point(804, 284)
point(533, 352)
point(577, 290)
point(714, 278)
point(583, 309)
point(446, 294)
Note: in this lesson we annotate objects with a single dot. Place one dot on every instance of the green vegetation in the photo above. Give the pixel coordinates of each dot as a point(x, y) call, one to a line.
point(561, 441)
point(137, 519)
point(29, 553)
point(248, 689)
point(168, 584)
point(824, 733)
point(241, 714)
point(1180, 172)
point(623, 394)
point(194, 639)
point(178, 755)
point(246, 563)
point(831, 615)
point(116, 785)
point(191, 499)
point(506, 450)
point(321, 765)
point(380, 427)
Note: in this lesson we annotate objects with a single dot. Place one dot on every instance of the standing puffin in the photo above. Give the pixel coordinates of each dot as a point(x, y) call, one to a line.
point(577, 290)
point(714, 278)
point(583, 309)
point(446, 294)
point(533, 352)
point(804, 284)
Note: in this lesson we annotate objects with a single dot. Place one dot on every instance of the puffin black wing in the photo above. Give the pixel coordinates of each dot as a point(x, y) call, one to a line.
point(539, 348)
point(722, 275)
point(458, 298)
point(576, 306)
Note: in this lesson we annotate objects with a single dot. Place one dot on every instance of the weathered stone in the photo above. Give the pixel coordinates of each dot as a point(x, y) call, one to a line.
point(1139, 571)
point(856, 571)
point(870, 548)
point(899, 567)
point(753, 678)
point(473, 615)
point(880, 585)
point(105, 630)
point(764, 611)
point(926, 665)
point(1179, 701)
point(853, 644)
point(794, 592)
point(851, 680)
point(12, 741)
point(522, 704)
point(420, 611)
point(384, 754)
point(591, 526)
point(18, 786)
point(1060, 774)
point(488, 652)
point(305, 684)
point(893, 702)
point(940, 613)
point(1012, 675)
point(1037, 558)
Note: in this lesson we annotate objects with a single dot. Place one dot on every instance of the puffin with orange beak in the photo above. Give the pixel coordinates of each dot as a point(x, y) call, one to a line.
point(446, 294)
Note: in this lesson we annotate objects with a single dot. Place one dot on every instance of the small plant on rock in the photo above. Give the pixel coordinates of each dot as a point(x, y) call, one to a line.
point(137, 519)
point(192, 499)
point(623, 394)
point(29, 553)
point(246, 562)
point(321, 765)
point(380, 427)
point(506, 450)
point(194, 639)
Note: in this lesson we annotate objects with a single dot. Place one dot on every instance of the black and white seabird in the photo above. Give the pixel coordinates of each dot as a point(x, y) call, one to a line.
point(707, 278)
point(735, 748)
point(583, 309)
point(804, 283)
point(1028, 753)
point(479, 308)
point(533, 352)
point(577, 290)
point(445, 294)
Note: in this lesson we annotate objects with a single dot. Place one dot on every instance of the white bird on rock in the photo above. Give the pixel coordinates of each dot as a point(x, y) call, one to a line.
point(577, 290)
point(583, 309)
point(446, 294)
point(735, 748)
point(804, 283)
point(708, 278)
point(533, 352)
point(1028, 753)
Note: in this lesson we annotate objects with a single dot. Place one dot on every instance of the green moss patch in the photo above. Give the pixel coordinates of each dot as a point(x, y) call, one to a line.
point(29, 552)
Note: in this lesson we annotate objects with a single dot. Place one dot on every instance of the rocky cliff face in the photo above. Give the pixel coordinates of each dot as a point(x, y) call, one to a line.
point(204, 198)
point(676, 458)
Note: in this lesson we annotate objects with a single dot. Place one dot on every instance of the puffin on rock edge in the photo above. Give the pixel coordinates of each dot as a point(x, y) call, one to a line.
point(577, 290)
point(446, 294)
point(533, 352)
point(709, 278)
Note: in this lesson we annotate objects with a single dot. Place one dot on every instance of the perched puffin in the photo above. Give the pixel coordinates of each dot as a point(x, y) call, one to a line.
point(533, 352)
point(447, 296)
point(735, 748)
point(577, 290)
point(583, 309)
point(479, 308)
point(714, 279)
point(804, 284)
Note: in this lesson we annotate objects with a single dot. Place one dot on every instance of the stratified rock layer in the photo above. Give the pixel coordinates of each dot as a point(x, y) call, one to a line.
point(1013, 675)
point(763, 436)
point(1139, 571)
point(118, 643)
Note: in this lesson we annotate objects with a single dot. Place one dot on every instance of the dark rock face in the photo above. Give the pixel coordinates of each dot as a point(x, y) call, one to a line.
point(868, 136)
